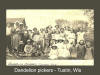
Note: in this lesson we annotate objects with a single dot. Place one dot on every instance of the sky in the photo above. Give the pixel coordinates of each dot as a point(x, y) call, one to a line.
point(43, 17)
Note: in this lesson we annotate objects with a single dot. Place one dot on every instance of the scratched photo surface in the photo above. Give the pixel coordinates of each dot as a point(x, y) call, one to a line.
point(57, 37)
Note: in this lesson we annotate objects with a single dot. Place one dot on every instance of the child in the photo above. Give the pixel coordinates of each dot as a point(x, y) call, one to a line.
point(28, 48)
point(81, 49)
point(89, 49)
point(38, 50)
point(53, 53)
point(73, 51)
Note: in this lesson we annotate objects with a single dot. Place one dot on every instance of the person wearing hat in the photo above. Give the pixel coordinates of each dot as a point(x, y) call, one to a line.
point(53, 53)
point(28, 48)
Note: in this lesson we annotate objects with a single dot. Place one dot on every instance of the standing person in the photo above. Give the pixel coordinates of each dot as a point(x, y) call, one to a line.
point(49, 29)
point(16, 38)
point(80, 35)
point(8, 37)
point(81, 50)
point(25, 37)
point(42, 35)
point(36, 37)
point(30, 34)
point(71, 37)
point(46, 40)
point(73, 51)
point(62, 34)
point(89, 49)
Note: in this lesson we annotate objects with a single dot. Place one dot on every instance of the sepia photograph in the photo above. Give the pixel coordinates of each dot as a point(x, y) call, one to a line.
point(50, 37)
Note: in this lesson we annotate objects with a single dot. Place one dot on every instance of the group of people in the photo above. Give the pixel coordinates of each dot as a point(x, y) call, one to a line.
point(51, 42)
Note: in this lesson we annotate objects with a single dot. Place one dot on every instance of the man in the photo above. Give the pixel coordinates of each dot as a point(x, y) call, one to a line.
point(8, 37)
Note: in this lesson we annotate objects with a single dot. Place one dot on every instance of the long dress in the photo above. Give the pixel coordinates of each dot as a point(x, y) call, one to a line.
point(53, 54)
point(88, 54)
point(62, 50)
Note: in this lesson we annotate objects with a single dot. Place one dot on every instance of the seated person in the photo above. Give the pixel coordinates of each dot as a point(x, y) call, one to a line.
point(28, 49)
point(37, 50)
point(53, 53)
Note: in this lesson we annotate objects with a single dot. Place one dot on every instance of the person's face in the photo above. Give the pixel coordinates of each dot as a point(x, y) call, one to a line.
point(29, 32)
point(52, 41)
point(54, 48)
point(28, 43)
point(56, 41)
point(81, 42)
point(65, 42)
point(60, 41)
point(17, 23)
point(35, 29)
point(57, 27)
point(46, 31)
point(50, 27)
point(62, 30)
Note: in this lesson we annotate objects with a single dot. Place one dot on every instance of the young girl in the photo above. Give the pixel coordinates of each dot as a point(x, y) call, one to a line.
point(62, 49)
point(81, 50)
point(28, 48)
point(73, 51)
point(53, 53)
point(88, 55)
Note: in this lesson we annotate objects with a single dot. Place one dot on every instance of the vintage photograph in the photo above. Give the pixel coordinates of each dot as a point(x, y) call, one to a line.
point(59, 37)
